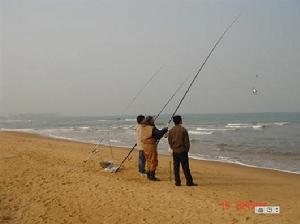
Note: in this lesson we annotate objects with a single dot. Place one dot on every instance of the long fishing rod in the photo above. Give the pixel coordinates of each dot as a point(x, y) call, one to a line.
point(201, 67)
point(140, 91)
point(129, 104)
point(126, 157)
point(93, 150)
point(189, 87)
point(169, 100)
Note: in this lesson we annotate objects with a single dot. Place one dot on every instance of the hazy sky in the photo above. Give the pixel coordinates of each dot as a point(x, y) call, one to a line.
point(90, 57)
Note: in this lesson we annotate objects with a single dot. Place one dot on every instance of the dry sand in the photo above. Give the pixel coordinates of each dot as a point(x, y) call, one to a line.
point(44, 180)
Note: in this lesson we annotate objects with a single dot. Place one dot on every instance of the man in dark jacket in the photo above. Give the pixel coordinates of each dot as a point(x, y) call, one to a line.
point(149, 138)
point(179, 142)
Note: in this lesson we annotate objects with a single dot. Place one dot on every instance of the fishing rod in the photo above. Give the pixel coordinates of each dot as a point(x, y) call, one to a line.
point(126, 157)
point(189, 87)
point(93, 150)
point(169, 100)
point(127, 107)
point(140, 91)
point(201, 67)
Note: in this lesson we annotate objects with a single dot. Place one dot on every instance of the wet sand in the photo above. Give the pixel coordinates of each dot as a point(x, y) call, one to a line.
point(44, 180)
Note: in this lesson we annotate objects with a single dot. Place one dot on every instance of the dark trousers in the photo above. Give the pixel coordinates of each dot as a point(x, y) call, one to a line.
point(183, 159)
point(142, 161)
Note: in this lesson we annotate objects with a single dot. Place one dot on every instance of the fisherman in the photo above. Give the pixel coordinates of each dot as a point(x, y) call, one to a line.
point(179, 142)
point(141, 162)
point(149, 137)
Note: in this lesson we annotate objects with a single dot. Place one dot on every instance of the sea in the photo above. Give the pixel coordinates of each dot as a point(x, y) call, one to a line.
point(266, 140)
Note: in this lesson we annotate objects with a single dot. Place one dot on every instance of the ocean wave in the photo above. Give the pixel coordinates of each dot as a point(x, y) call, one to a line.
point(221, 146)
point(84, 128)
point(212, 129)
point(201, 132)
point(13, 121)
point(114, 140)
point(65, 138)
point(254, 125)
point(126, 127)
point(116, 127)
point(64, 129)
point(257, 151)
point(237, 126)
point(129, 119)
point(103, 130)
point(194, 140)
point(258, 127)
point(29, 130)
point(103, 120)
point(225, 159)
point(281, 123)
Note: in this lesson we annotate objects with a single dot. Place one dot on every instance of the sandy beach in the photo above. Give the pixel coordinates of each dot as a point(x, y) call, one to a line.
point(44, 180)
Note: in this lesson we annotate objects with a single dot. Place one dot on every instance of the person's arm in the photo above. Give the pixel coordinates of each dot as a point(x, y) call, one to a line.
point(186, 140)
point(158, 134)
point(170, 140)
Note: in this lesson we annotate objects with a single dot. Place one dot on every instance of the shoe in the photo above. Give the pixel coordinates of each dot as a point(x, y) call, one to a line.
point(152, 176)
point(177, 184)
point(191, 185)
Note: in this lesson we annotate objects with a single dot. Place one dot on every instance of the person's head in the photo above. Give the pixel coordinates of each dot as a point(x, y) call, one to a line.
point(140, 118)
point(149, 120)
point(177, 119)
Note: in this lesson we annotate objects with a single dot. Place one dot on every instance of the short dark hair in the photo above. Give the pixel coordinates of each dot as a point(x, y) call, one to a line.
point(149, 120)
point(140, 118)
point(177, 119)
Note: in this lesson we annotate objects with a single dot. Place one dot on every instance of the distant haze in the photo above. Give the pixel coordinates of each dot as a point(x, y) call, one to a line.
point(76, 57)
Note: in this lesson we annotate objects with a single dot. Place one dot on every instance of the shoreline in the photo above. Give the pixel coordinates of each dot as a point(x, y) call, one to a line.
point(44, 180)
point(160, 153)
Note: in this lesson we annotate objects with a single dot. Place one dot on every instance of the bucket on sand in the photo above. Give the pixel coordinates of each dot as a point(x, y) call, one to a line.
point(109, 166)
point(105, 164)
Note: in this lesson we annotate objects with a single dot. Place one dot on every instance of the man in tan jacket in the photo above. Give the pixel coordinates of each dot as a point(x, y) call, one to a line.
point(179, 142)
point(149, 138)
point(142, 160)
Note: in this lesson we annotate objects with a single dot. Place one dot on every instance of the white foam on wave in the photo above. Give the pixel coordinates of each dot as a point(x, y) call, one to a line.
point(130, 119)
point(254, 125)
point(224, 159)
point(212, 129)
point(258, 127)
point(54, 130)
point(238, 125)
point(235, 126)
point(103, 130)
point(13, 121)
point(65, 138)
point(45, 132)
point(201, 132)
point(114, 140)
point(280, 123)
point(20, 130)
point(84, 128)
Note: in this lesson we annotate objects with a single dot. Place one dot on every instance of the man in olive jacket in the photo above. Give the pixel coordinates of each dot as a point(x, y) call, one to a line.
point(179, 142)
